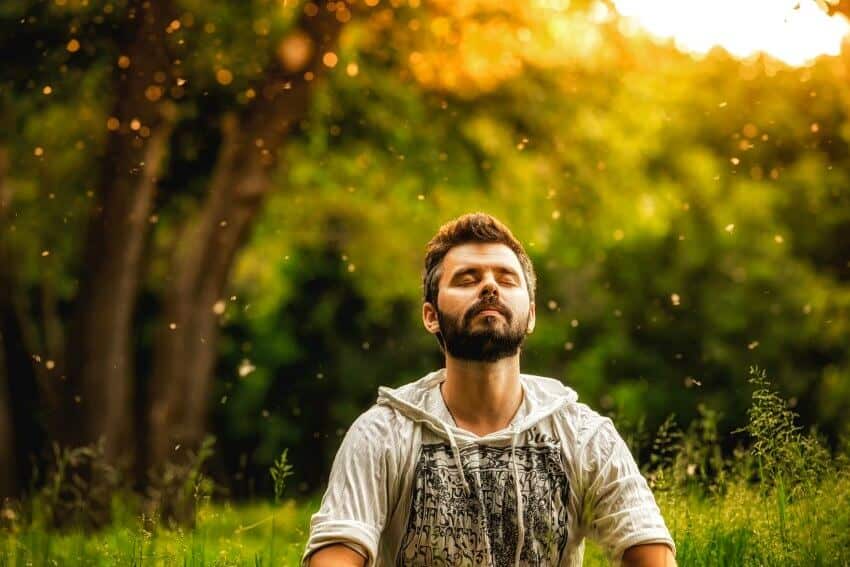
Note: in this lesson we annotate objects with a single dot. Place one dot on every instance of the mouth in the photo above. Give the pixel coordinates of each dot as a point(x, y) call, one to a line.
point(490, 312)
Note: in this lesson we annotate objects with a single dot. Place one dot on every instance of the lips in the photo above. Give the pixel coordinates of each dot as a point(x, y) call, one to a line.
point(489, 310)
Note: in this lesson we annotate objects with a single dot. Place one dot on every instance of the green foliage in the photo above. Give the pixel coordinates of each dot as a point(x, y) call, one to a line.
point(785, 461)
point(787, 458)
point(692, 459)
point(792, 512)
point(280, 471)
point(79, 488)
point(176, 492)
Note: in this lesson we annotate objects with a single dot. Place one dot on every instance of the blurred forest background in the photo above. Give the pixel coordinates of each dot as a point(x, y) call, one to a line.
point(213, 218)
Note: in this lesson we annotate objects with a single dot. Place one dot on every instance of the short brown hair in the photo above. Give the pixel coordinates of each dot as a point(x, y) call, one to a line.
point(472, 227)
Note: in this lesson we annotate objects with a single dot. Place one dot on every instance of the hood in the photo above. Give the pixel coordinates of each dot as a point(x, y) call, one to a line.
point(541, 396)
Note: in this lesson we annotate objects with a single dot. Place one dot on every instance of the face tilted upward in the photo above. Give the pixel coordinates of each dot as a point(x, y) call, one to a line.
point(483, 307)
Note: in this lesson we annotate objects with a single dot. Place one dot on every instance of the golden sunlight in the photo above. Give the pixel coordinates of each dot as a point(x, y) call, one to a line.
point(792, 31)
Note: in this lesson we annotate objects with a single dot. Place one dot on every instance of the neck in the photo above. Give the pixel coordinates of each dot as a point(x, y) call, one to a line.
point(482, 396)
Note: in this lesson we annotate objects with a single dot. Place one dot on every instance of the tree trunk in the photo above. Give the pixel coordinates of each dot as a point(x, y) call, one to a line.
point(8, 477)
point(30, 360)
point(8, 464)
point(99, 351)
point(185, 347)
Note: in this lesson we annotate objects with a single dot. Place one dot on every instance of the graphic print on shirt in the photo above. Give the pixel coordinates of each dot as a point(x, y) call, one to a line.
point(448, 528)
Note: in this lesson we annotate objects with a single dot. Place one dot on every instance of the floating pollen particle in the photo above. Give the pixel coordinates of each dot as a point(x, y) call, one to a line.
point(295, 51)
point(330, 59)
point(224, 76)
point(246, 368)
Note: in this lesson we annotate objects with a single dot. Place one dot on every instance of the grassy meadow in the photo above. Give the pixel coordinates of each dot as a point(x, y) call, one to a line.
point(743, 527)
point(784, 499)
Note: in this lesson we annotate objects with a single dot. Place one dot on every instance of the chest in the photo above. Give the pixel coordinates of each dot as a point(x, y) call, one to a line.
point(479, 505)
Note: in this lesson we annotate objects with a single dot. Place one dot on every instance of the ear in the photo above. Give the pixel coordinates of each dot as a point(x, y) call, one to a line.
point(532, 319)
point(429, 318)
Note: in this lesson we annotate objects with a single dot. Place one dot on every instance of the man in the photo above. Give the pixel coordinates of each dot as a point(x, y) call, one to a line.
point(476, 463)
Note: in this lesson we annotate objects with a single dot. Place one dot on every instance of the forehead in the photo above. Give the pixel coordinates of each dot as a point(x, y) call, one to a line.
point(480, 255)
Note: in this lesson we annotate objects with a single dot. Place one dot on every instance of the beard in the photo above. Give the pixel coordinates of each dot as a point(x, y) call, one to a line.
point(494, 341)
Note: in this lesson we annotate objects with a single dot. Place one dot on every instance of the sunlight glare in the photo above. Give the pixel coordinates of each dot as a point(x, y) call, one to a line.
point(794, 32)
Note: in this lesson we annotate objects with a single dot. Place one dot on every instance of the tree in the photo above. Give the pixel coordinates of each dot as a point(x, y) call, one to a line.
point(100, 353)
point(186, 343)
point(97, 364)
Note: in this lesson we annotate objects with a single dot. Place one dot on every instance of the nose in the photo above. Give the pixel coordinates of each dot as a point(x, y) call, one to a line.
point(489, 286)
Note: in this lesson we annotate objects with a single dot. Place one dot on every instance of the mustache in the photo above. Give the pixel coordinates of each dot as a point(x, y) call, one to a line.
point(487, 305)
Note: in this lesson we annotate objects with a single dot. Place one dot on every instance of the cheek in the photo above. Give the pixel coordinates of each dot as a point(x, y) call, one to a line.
point(449, 302)
point(456, 297)
point(520, 305)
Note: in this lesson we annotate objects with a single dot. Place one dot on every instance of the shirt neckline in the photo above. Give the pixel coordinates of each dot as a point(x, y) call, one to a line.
point(443, 413)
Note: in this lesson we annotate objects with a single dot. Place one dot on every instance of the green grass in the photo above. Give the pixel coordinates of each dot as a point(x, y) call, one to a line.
point(785, 500)
point(225, 535)
point(741, 527)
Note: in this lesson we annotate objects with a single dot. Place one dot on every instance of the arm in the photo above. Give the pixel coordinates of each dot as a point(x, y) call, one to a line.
point(337, 555)
point(619, 507)
point(649, 555)
point(354, 508)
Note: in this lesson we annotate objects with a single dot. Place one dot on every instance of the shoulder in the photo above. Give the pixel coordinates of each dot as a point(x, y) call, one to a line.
point(378, 425)
point(578, 424)
point(591, 438)
point(582, 421)
point(376, 419)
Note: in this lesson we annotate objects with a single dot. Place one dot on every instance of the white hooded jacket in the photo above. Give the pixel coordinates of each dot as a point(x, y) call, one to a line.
point(408, 487)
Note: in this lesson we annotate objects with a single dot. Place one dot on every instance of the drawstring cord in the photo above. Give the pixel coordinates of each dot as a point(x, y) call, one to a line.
point(468, 491)
point(455, 449)
point(456, 453)
point(519, 510)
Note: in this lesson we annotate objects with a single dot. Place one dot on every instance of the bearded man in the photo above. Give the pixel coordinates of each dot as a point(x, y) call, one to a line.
point(477, 463)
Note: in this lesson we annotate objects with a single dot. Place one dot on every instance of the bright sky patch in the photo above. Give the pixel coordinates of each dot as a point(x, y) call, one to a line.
point(791, 31)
